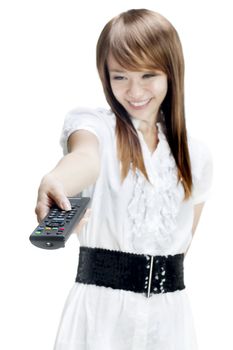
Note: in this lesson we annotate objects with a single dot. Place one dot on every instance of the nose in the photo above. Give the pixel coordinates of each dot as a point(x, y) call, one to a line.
point(135, 90)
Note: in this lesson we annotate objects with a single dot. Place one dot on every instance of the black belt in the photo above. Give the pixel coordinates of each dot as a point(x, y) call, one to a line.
point(139, 273)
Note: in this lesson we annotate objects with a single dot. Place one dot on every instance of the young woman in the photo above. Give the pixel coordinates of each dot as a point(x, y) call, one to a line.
point(148, 180)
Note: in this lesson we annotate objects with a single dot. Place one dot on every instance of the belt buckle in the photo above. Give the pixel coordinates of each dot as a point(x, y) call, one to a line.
point(149, 266)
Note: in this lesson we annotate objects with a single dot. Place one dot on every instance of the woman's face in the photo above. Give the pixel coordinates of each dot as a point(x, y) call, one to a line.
point(140, 93)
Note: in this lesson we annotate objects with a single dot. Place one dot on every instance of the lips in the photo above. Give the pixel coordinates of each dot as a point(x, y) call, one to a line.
point(139, 104)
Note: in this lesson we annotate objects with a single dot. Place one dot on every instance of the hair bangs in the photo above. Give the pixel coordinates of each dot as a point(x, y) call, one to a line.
point(130, 49)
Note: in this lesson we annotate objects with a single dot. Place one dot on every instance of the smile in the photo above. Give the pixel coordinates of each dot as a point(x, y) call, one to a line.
point(139, 104)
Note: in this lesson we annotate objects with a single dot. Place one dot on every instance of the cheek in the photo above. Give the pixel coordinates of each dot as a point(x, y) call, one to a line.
point(160, 88)
point(117, 91)
point(164, 91)
point(165, 86)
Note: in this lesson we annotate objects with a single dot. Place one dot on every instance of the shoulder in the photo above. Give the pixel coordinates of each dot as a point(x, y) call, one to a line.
point(94, 115)
point(200, 155)
point(99, 121)
point(202, 169)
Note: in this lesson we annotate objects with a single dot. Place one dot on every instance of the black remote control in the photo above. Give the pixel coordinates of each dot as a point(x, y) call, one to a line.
point(56, 228)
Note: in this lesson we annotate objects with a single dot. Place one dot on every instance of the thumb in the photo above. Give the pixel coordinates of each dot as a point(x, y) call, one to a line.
point(65, 203)
point(60, 198)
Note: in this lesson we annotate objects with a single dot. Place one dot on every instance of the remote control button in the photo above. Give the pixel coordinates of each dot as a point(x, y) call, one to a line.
point(57, 224)
point(37, 232)
point(54, 224)
point(57, 219)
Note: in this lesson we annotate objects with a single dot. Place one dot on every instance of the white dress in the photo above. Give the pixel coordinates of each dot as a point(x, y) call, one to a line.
point(133, 217)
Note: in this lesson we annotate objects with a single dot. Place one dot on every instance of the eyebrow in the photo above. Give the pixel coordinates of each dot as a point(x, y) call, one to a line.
point(122, 72)
point(116, 71)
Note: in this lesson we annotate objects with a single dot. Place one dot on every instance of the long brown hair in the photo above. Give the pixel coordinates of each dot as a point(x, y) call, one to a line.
point(144, 40)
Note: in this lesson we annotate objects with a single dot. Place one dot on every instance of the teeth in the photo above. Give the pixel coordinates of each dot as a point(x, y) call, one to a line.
point(137, 104)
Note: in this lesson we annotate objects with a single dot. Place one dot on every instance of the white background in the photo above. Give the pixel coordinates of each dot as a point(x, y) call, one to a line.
point(47, 68)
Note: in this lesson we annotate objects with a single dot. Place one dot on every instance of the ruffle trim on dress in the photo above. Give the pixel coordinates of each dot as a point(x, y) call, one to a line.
point(153, 208)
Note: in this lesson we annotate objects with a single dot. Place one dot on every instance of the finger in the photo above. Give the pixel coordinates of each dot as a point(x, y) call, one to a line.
point(87, 213)
point(80, 225)
point(60, 199)
point(41, 211)
point(83, 221)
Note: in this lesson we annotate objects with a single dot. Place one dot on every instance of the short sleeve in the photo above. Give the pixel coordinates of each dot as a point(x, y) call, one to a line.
point(82, 119)
point(202, 173)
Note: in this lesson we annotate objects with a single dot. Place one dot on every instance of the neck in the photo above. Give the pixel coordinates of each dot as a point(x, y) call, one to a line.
point(147, 129)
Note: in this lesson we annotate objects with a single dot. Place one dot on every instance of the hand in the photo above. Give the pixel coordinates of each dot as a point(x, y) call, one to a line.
point(82, 222)
point(51, 191)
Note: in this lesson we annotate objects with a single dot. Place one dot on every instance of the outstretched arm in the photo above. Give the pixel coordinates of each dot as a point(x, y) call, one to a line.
point(73, 173)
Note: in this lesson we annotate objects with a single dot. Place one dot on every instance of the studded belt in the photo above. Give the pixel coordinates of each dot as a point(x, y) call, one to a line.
point(139, 273)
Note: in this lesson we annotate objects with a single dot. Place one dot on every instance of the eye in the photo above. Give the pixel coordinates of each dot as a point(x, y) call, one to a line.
point(118, 77)
point(149, 75)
